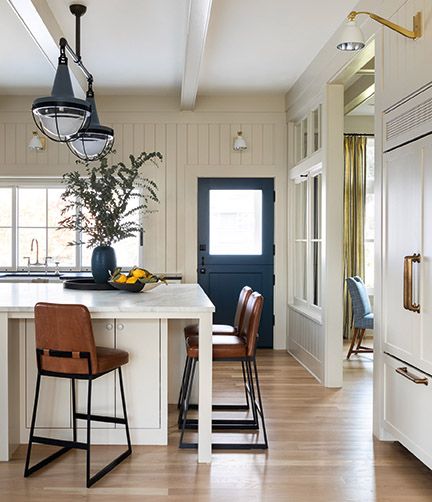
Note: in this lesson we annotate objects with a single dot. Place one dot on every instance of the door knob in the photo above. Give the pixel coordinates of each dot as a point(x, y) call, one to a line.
point(109, 326)
point(120, 326)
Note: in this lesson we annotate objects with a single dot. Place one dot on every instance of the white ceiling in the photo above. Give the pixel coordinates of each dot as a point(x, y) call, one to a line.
point(23, 67)
point(365, 108)
point(138, 46)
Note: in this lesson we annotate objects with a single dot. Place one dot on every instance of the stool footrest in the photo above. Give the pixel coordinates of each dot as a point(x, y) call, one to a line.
point(101, 418)
point(223, 407)
point(192, 423)
point(59, 442)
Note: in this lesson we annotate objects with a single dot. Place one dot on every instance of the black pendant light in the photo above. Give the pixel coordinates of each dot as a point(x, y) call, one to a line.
point(62, 117)
point(97, 140)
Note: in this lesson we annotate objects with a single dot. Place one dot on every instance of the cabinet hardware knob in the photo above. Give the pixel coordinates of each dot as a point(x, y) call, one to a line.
point(109, 326)
point(120, 326)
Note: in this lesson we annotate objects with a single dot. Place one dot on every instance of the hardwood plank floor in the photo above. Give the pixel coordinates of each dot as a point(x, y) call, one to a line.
point(321, 449)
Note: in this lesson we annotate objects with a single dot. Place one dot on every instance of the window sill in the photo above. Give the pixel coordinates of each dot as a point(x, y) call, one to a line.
point(311, 314)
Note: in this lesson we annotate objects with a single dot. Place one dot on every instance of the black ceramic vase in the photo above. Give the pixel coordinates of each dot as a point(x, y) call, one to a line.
point(103, 261)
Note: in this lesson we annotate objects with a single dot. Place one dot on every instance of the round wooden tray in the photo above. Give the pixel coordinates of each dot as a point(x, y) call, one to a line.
point(86, 283)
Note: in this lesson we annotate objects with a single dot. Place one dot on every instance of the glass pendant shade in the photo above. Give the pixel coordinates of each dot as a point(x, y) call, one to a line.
point(61, 116)
point(95, 141)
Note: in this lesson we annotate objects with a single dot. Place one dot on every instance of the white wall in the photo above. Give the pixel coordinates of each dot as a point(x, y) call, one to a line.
point(359, 124)
point(193, 144)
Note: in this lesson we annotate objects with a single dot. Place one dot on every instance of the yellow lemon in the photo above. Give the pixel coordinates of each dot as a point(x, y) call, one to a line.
point(121, 278)
point(131, 280)
point(138, 273)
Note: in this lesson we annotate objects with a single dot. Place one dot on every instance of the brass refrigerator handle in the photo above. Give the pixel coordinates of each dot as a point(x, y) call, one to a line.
point(411, 377)
point(407, 282)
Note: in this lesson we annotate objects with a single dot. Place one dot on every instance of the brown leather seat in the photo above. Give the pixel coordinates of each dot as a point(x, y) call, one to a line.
point(68, 328)
point(224, 346)
point(226, 329)
point(217, 329)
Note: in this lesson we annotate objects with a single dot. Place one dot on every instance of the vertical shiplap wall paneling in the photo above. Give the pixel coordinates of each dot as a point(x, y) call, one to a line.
point(225, 144)
point(10, 145)
point(257, 144)
point(203, 144)
point(192, 144)
point(268, 144)
point(160, 219)
point(20, 138)
point(214, 144)
point(171, 197)
point(182, 149)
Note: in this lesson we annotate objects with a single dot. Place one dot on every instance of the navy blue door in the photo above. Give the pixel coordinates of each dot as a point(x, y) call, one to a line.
point(235, 245)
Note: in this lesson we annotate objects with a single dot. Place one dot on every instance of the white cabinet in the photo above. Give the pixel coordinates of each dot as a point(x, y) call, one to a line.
point(141, 376)
point(408, 407)
point(407, 225)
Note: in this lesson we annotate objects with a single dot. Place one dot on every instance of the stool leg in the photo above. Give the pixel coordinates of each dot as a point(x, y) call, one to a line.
point(182, 385)
point(32, 427)
point(252, 392)
point(244, 384)
point(261, 409)
point(185, 406)
point(74, 422)
point(124, 411)
point(89, 398)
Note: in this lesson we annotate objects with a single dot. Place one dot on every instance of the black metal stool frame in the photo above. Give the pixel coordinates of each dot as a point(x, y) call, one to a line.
point(227, 424)
point(215, 407)
point(68, 445)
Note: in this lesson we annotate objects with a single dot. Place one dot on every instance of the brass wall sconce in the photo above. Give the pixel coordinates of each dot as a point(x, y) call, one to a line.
point(352, 38)
point(37, 142)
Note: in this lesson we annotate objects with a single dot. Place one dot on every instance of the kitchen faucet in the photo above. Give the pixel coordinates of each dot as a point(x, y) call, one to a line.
point(37, 262)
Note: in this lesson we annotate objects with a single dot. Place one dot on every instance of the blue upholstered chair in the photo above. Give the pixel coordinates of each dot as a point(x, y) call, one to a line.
point(363, 317)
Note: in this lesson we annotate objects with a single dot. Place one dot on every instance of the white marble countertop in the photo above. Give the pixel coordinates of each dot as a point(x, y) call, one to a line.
point(171, 298)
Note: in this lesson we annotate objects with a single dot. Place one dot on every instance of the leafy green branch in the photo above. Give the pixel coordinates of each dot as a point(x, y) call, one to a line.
point(98, 203)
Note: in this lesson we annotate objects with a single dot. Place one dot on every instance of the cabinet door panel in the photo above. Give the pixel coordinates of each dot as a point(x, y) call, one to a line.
point(103, 393)
point(402, 237)
point(54, 409)
point(141, 376)
point(426, 265)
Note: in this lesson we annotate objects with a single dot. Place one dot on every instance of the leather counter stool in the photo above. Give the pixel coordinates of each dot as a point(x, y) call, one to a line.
point(219, 329)
point(65, 348)
point(240, 347)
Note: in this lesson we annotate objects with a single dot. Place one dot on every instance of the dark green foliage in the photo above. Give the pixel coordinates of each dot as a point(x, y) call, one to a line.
point(96, 203)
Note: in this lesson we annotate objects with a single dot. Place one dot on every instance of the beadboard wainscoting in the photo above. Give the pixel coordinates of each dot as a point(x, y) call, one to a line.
point(306, 342)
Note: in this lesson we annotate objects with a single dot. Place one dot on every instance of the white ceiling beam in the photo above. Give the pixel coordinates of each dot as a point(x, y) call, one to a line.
point(198, 21)
point(43, 28)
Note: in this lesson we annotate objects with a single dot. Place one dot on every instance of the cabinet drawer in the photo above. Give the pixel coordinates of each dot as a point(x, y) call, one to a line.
point(408, 407)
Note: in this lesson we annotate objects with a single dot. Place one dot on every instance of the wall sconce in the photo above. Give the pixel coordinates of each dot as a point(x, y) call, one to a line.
point(37, 143)
point(352, 38)
point(239, 143)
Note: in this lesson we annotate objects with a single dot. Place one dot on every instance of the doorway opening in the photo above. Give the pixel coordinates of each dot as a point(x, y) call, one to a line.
point(359, 219)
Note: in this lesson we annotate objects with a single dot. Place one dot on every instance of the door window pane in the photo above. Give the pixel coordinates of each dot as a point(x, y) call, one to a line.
point(235, 222)
point(316, 273)
point(5, 207)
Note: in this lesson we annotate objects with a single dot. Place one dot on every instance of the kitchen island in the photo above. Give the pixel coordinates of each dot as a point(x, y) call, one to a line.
point(136, 322)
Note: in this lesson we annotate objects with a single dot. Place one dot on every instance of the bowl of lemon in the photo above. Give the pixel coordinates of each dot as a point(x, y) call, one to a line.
point(136, 280)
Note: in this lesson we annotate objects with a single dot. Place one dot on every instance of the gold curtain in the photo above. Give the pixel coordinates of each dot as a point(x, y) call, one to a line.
point(354, 212)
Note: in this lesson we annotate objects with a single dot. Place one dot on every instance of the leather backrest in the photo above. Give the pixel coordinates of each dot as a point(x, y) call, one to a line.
point(65, 328)
point(241, 307)
point(360, 300)
point(251, 321)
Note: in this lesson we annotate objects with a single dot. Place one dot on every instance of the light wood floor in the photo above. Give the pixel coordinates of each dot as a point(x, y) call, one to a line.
point(321, 449)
